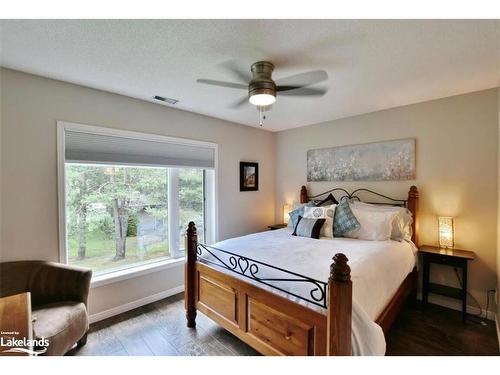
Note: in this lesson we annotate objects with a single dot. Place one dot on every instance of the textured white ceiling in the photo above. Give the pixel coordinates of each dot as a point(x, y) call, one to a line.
point(372, 64)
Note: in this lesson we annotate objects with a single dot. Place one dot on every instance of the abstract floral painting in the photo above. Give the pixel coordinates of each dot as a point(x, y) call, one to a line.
point(379, 161)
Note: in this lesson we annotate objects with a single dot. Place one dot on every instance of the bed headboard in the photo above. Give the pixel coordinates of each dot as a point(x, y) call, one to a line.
point(411, 202)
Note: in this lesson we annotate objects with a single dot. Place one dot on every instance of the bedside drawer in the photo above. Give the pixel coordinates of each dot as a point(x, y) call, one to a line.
point(446, 260)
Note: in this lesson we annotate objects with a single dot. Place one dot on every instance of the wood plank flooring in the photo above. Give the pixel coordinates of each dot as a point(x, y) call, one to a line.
point(439, 331)
point(160, 329)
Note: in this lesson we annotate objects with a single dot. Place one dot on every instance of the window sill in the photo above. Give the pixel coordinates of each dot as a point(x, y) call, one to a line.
point(130, 273)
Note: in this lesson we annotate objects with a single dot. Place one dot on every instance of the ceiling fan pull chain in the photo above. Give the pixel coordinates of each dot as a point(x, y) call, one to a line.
point(262, 116)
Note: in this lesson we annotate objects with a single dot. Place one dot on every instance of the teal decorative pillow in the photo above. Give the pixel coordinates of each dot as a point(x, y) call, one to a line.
point(299, 211)
point(308, 227)
point(344, 220)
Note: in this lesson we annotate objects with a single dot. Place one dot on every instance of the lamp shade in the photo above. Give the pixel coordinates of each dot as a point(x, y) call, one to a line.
point(286, 210)
point(446, 232)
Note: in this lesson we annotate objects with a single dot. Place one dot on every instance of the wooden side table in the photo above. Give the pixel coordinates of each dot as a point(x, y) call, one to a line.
point(277, 226)
point(449, 257)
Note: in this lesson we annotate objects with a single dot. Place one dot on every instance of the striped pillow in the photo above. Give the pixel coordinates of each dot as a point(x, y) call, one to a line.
point(298, 210)
point(327, 213)
point(308, 227)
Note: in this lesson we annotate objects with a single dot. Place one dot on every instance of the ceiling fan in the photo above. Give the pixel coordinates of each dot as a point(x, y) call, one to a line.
point(262, 89)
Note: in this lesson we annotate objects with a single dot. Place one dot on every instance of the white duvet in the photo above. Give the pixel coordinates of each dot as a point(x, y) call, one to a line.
point(377, 270)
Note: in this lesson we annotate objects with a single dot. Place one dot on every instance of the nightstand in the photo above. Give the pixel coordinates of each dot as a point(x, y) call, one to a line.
point(277, 226)
point(449, 257)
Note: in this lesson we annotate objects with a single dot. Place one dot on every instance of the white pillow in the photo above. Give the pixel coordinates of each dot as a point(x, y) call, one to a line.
point(401, 225)
point(375, 225)
point(327, 213)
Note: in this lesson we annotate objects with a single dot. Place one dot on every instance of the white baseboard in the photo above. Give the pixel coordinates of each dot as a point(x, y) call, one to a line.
point(457, 305)
point(134, 304)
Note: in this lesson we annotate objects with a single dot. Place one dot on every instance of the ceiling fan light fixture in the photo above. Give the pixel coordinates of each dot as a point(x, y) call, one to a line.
point(262, 89)
point(262, 100)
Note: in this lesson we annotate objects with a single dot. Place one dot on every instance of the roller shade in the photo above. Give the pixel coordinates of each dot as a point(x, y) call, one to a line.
point(109, 149)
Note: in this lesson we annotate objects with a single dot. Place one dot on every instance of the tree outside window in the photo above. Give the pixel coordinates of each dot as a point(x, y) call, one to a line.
point(118, 216)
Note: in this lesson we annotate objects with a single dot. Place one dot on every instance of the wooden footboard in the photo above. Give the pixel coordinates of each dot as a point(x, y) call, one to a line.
point(271, 324)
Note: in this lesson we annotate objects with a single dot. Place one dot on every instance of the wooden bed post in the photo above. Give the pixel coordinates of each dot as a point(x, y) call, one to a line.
point(413, 207)
point(303, 195)
point(339, 315)
point(190, 275)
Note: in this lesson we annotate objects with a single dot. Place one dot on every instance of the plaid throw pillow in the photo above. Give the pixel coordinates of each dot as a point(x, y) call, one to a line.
point(308, 227)
point(344, 220)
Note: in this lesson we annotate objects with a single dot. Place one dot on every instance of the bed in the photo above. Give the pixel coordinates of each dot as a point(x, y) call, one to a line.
point(280, 294)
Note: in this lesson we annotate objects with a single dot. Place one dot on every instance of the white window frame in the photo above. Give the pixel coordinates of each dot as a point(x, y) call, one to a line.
point(211, 217)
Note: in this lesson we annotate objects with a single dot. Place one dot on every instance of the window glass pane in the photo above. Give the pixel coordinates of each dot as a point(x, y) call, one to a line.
point(116, 216)
point(191, 201)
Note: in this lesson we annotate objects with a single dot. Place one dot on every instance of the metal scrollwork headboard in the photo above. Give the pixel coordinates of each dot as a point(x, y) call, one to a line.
point(411, 203)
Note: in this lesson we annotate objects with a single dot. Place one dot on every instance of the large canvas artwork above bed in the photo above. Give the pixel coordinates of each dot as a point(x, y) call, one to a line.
point(378, 161)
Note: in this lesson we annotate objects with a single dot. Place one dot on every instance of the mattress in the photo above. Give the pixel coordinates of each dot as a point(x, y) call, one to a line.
point(377, 270)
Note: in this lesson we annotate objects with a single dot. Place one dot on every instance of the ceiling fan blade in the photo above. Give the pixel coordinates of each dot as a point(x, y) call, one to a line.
point(238, 73)
point(302, 91)
point(241, 102)
point(287, 88)
point(223, 84)
point(303, 79)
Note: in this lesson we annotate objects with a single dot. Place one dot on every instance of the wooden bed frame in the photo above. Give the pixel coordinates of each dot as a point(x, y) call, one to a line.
point(272, 324)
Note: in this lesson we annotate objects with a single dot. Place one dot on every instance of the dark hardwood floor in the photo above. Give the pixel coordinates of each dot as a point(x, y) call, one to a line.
point(439, 331)
point(159, 329)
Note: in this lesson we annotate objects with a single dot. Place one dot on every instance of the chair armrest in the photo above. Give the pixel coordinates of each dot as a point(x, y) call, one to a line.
point(56, 282)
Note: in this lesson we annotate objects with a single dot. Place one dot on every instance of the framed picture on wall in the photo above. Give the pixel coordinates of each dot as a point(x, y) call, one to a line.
point(249, 176)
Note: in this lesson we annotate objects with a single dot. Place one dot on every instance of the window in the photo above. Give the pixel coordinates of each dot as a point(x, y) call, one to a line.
point(120, 213)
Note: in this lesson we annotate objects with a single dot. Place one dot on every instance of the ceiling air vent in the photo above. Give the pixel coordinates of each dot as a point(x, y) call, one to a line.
point(166, 100)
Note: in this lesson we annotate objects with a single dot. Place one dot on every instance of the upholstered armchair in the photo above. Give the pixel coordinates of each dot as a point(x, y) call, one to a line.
point(59, 296)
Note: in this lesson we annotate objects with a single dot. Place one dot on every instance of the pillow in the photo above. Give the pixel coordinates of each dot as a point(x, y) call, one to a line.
point(327, 201)
point(308, 227)
point(297, 210)
point(344, 220)
point(374, 225)
point(326, 213)
point(401, 225)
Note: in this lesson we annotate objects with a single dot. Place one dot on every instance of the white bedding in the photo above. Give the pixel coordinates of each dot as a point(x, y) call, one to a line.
point(377, 270)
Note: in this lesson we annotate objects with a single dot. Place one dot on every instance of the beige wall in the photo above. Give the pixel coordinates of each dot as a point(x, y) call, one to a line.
point(31, 105)
point(457, 157)
point(1, 127)
point(498, 227)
